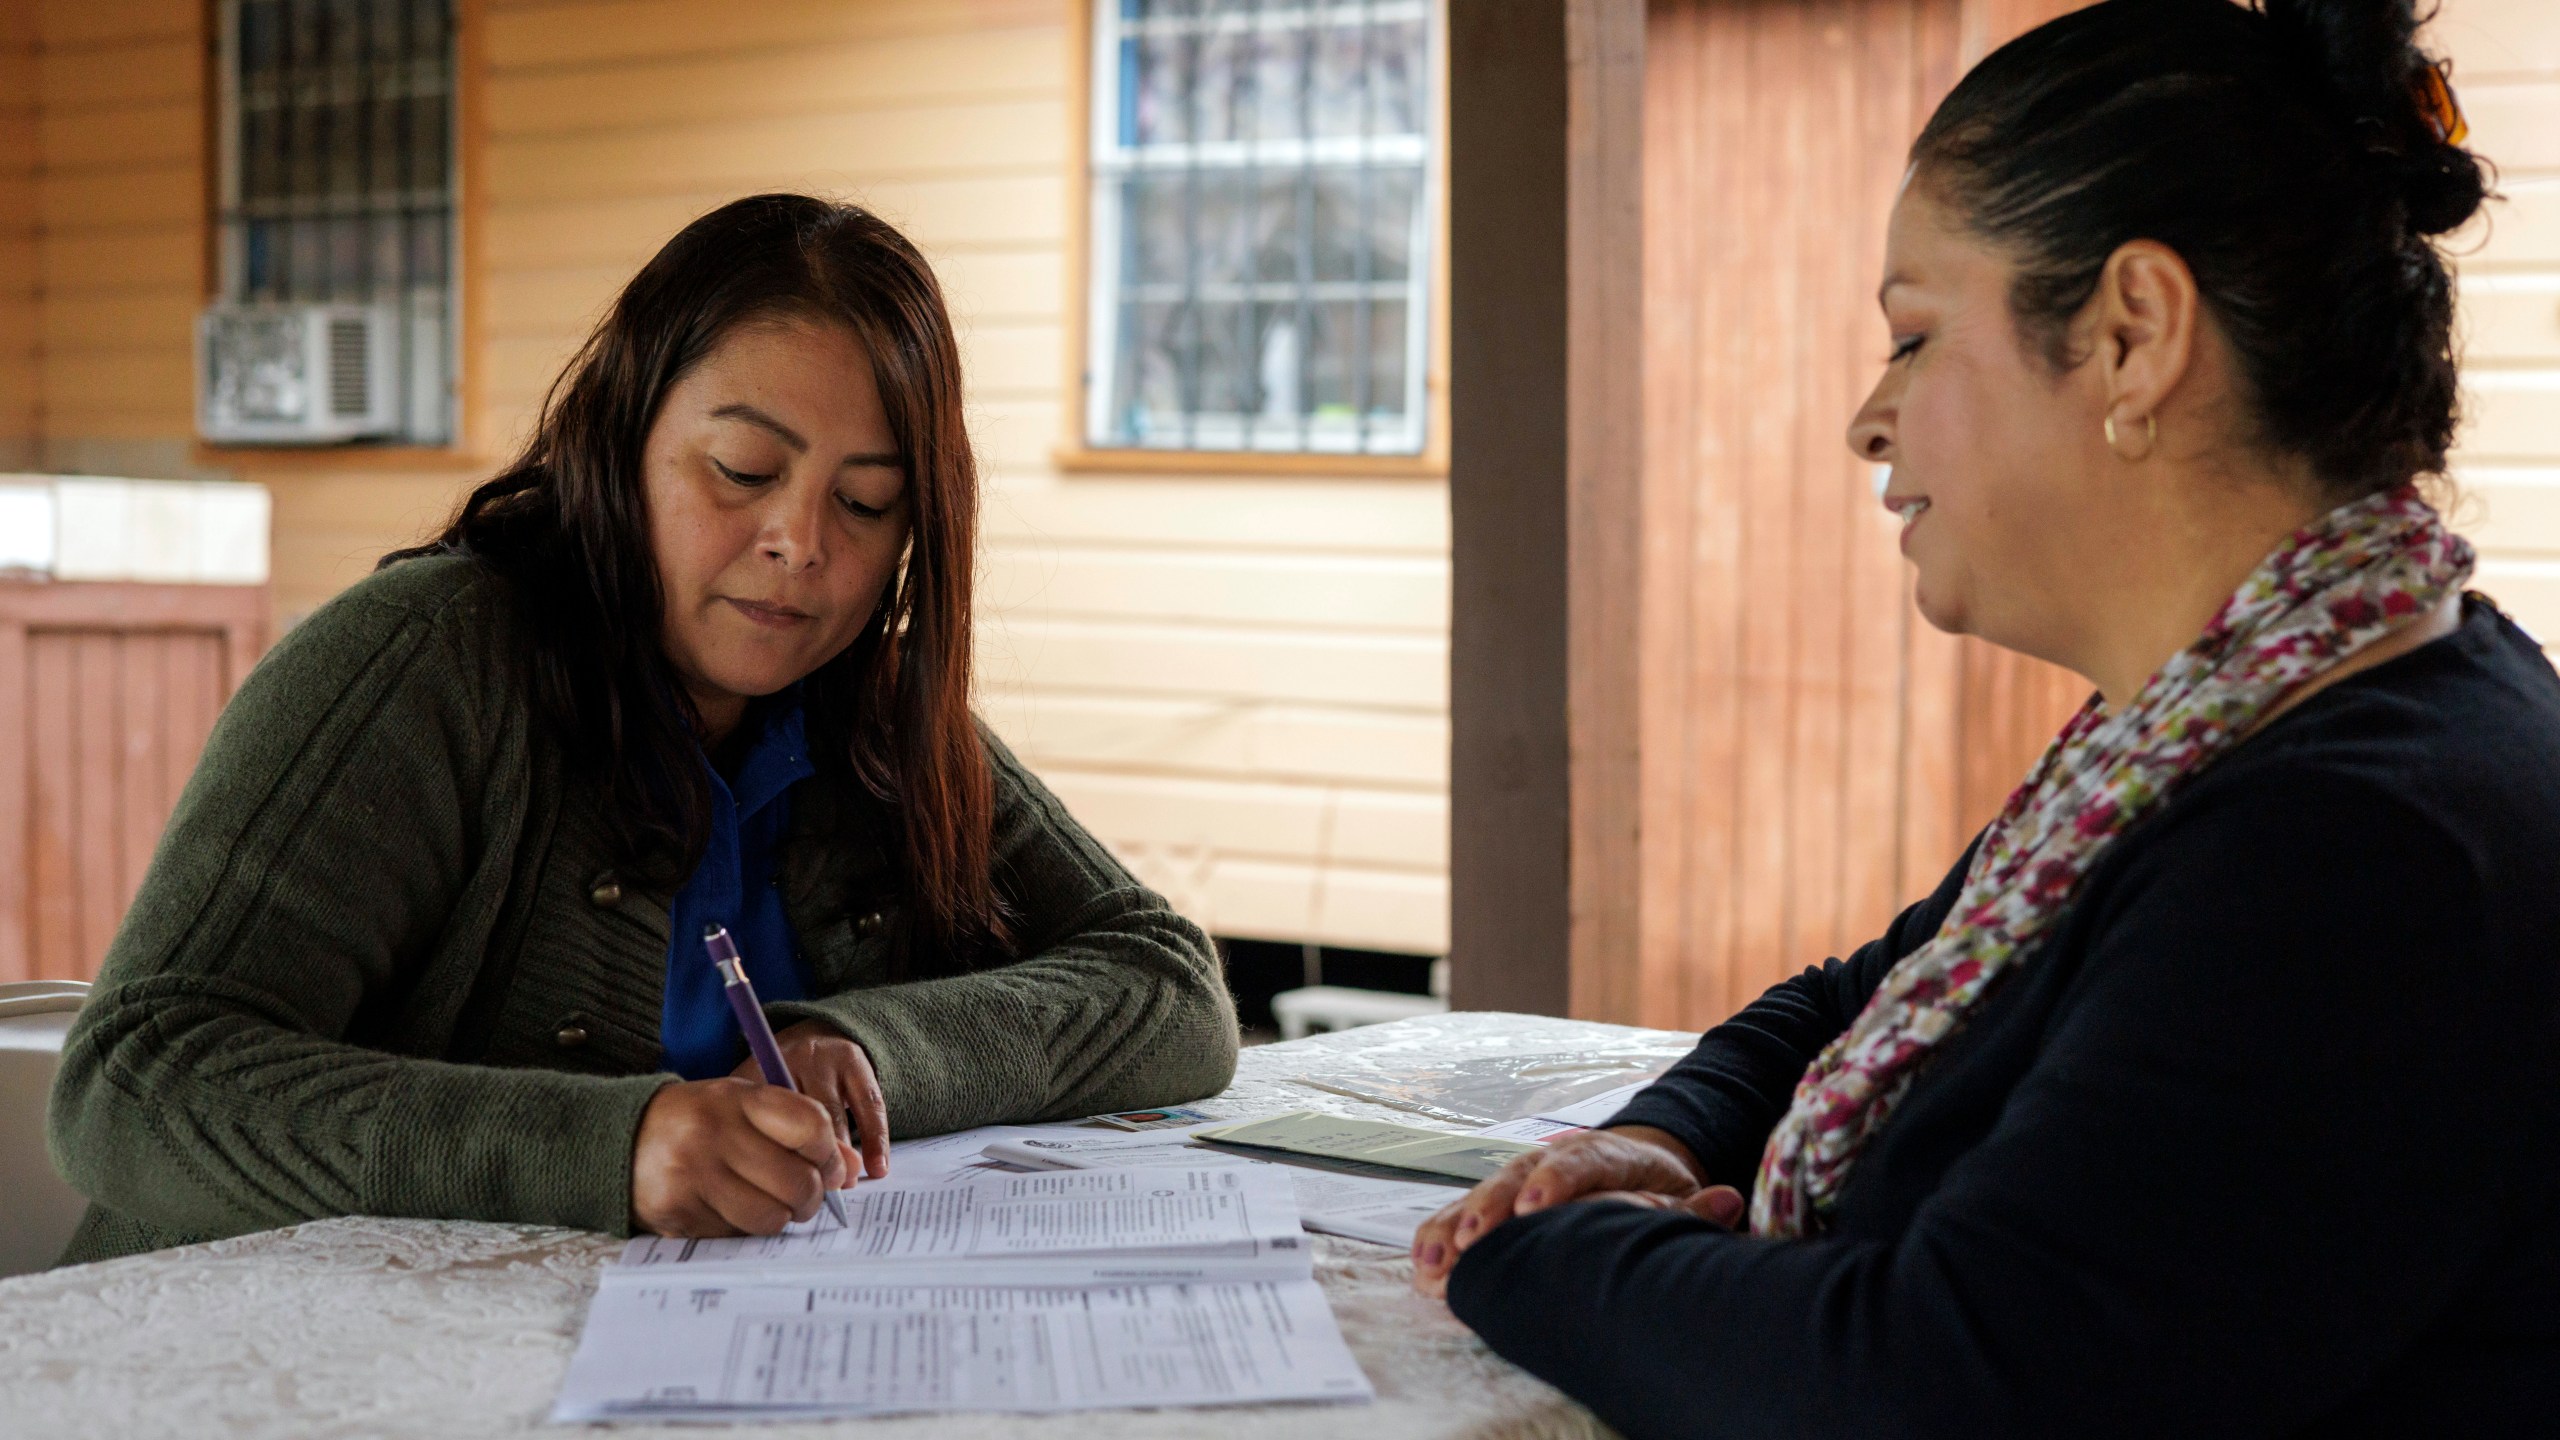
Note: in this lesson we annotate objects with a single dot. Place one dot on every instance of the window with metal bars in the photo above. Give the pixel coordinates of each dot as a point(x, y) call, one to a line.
point(338, 185)
point(1262, 217)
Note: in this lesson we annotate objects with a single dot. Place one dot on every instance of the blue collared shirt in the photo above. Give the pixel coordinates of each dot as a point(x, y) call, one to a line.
point(737, 885)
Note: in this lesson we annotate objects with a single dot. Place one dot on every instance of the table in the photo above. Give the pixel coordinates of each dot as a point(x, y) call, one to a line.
point(418, 1328)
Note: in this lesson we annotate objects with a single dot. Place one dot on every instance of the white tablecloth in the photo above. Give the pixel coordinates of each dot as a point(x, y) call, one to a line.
point(416, 1328)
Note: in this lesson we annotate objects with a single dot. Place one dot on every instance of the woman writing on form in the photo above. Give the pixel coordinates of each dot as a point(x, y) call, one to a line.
point(424, 936)
point(2217, 1090)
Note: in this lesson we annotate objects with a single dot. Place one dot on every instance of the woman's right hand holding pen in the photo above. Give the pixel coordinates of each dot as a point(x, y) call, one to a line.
point(736, 1156)
point(733, 1157)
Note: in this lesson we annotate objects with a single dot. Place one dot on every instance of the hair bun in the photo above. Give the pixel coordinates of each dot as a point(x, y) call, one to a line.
point(2366, 52)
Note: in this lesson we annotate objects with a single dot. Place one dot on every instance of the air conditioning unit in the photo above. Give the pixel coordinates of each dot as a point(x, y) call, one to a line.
point(297, 374)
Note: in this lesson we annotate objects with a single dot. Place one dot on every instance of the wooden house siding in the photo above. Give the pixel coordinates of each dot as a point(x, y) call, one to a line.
point(2506, 56)
point(107, 692)
point(1240, 681)
point(18, 310)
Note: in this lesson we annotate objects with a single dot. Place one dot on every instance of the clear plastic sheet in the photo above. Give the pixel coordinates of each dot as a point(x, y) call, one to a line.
point(1475, 1068)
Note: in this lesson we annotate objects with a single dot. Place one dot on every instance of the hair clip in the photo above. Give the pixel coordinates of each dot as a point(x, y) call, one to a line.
point(2443, 113)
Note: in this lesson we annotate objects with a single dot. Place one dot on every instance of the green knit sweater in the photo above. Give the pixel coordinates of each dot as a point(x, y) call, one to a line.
point(382, 963)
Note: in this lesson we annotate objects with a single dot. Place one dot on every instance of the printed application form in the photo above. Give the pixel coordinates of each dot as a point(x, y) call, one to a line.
point(1384, 1209)
point(1373, 1142)
point(1055, 1290)
point(657, 1348)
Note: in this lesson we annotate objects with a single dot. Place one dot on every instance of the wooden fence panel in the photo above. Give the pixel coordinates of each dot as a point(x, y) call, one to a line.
point(1814, 756)
point(107, 692)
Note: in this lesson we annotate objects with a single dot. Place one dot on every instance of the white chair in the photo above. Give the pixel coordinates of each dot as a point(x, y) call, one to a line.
point(39, 1211)
point(1300, 1013)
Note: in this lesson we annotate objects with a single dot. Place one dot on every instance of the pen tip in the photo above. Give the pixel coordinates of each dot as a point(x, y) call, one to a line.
point(711, 932)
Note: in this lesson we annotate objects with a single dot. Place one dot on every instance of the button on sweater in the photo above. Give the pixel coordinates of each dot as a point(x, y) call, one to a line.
point(387, 961)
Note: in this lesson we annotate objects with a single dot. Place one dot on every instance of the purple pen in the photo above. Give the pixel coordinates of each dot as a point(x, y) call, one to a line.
point(759, 1032)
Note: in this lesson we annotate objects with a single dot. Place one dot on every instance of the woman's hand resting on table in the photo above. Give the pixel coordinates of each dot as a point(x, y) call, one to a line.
point(736, 1156)
point(1633, 1164)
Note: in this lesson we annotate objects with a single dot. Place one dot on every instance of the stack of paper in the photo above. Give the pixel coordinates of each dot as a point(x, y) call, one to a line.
point(1033, 1292)
point(1383, 1207)
point(1466, 1158)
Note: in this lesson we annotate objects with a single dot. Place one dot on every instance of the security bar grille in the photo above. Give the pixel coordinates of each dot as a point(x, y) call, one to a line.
point(338, 176)
point(1262, 225)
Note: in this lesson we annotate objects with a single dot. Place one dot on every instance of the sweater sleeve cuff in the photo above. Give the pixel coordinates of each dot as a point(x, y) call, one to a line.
point(534, 1146)
point(950, 1053)
point(1724, 1147)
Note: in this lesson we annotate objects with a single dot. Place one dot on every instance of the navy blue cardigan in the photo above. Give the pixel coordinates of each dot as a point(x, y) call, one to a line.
point(2265, 1141)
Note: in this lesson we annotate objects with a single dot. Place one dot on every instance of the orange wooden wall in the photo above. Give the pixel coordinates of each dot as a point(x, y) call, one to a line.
point(107, 692)
point(17, 236)
point(1813, 755)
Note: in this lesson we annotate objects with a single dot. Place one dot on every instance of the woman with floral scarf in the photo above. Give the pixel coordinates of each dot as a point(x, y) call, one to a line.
point(2217, 1089)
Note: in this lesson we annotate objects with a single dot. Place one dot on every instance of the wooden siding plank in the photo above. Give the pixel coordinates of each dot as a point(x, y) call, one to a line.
point(2511, 122)
point(1254, 899)
point(1359, 593)
point(161, 320)
point(2497, 37)
point(17, 800)
point(621, 232)
point(527, 37)
point(694, 90)
point(53, 834)
point(2528, 590)
point(97, 763)
point(1014, 360)
point(66, 24)
point(1408, 517)
point(120, 137)
point(1396, 672)
point(158, 257)
point(2522, 229)
point(139, 378)
point(133, 73)
point(71, 202)
point(138, 725)
point(988, 287)
point(193, 698)
point(566, 301)
point(984, 287)
point(1207, 737)
point(2511, 321)
point(18, 152)
point(2511, 415)
point(18, 217)
point(2512, 513)
point(839, 151)
point(20, 76)
point(1334, 824)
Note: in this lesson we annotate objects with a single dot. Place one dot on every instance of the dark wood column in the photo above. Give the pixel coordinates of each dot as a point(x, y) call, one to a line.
point(1545, 208)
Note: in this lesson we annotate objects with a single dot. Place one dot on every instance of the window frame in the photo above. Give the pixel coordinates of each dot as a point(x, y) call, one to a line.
point(1074, 452)
point(465, 446)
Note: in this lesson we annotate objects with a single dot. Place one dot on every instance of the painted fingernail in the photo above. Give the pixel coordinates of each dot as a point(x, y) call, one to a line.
point(1431, 1253)
point(1533, 1197)
point(1468, 1225)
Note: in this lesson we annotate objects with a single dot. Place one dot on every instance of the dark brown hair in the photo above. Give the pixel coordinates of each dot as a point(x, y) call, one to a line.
point(2282, 148)
point(567, 525)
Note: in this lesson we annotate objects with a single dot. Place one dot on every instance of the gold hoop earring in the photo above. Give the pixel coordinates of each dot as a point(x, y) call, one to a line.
point(2150, 437)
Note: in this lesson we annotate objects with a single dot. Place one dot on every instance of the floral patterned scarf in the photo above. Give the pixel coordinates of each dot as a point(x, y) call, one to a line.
point(2340, 583)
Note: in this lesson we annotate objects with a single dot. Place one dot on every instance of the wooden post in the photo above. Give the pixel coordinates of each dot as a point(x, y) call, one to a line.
point(1508, 792)
point(1545, 211)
